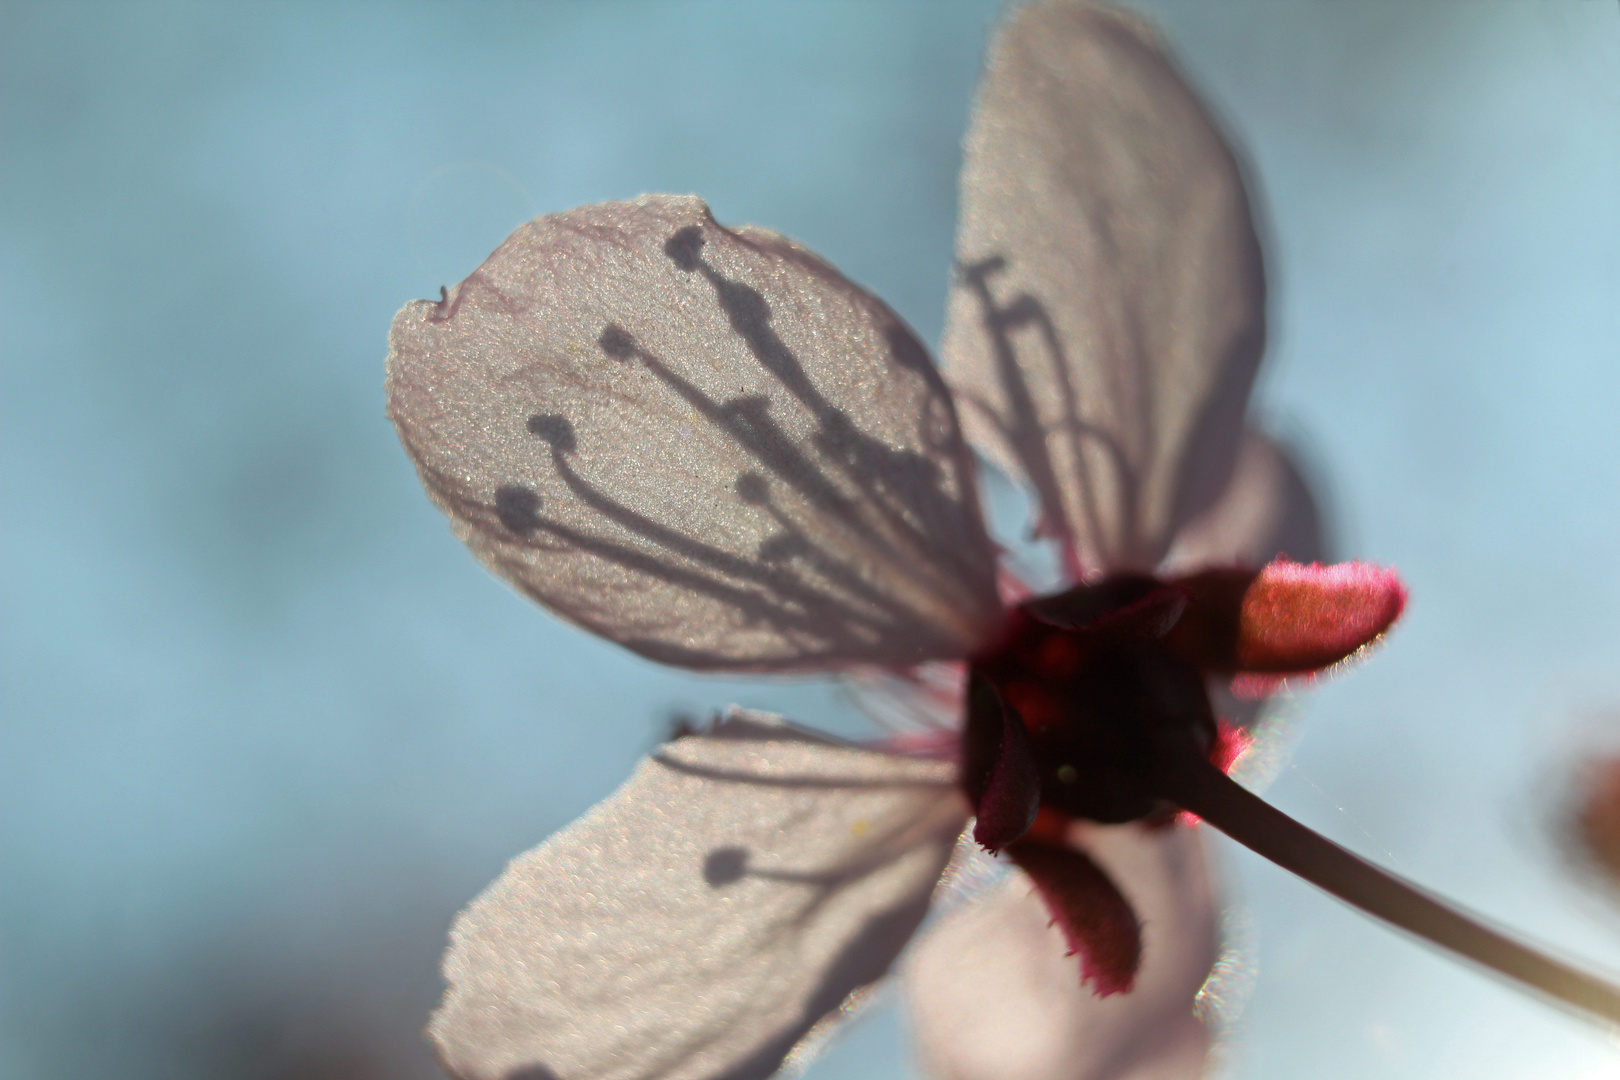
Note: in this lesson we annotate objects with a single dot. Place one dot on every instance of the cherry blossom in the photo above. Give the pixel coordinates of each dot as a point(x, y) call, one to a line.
point(707, 445)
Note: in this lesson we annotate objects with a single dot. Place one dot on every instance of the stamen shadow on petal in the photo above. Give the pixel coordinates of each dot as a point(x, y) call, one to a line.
point(532, 1072)
point(707, 772)
point(850, 531)
point(518, 508)
point(725, 865)
point(837, 604)
point(864, 961)
point(1026, 434)
point(556, 430)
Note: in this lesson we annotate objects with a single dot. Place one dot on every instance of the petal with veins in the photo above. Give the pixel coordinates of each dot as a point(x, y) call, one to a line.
point(704, 917)
point(702, 443)
point(1108, 315)
point(993, 995)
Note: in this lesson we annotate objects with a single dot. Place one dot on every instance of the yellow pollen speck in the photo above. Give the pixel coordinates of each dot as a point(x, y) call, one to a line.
point(860, 827)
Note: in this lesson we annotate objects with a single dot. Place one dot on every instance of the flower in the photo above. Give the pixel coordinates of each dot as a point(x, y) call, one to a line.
point(707, 445)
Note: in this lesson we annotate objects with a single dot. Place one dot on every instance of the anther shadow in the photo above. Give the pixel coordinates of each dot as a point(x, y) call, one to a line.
point(1199, 476)
point(1022, 427)
point(885, 505)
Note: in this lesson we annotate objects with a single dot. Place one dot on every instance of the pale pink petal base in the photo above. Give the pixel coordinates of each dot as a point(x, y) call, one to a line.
point(993, 996)
point(700, 920)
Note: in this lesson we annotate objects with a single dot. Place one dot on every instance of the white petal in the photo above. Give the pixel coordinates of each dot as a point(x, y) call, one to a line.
point(993, 997)
point(1266, 511)
point(704, 444)
point(1108, 315)
point(700, 921)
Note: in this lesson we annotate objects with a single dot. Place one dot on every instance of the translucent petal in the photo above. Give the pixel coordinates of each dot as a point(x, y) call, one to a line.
point(1108, 314)
point(702, 443)
point(994, 997)
point(699, 922)
point(1266, 512)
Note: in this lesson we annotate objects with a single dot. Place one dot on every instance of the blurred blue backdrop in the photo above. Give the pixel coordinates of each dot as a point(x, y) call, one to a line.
point(266, 725)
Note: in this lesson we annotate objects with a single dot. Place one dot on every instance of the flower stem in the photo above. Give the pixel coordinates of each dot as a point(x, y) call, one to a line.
point(1203, 789)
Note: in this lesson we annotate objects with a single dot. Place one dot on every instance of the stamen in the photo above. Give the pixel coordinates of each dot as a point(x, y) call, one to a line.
point(1204, 790)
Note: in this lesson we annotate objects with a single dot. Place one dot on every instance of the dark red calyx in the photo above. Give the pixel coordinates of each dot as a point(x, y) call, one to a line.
point(1284, 619)
point(1088, 907)
point(1102, 697)
point(1084, 606)
point(998, 768)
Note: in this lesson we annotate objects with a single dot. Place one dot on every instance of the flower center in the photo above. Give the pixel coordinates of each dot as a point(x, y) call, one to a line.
point(1095, 678)
point(1093, 705)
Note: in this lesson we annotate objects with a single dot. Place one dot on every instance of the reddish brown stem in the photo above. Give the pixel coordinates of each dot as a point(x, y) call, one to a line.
point(1203, 789)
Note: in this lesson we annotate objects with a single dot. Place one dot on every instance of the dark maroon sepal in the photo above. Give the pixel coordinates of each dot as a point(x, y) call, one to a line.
point(1082, 606)
point(1150, 618)
point(1088, 907)
point(998, 768)
point(1130, 605)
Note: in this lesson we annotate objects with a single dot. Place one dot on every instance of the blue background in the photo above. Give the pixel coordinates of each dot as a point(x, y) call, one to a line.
point(264, 725)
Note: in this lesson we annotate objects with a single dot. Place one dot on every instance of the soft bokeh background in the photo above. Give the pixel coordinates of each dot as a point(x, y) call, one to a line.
point(266, 725)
